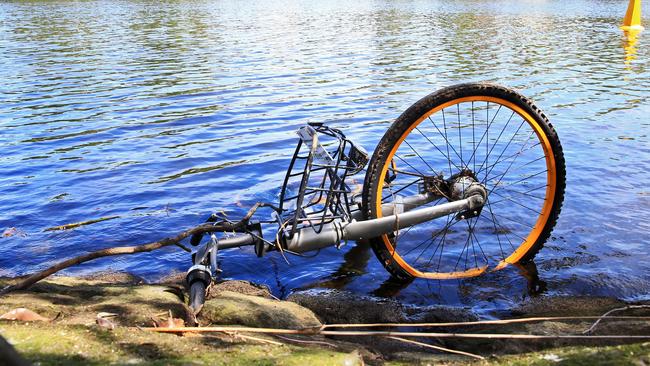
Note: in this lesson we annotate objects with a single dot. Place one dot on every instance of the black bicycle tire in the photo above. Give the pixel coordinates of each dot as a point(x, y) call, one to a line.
point(197, 295)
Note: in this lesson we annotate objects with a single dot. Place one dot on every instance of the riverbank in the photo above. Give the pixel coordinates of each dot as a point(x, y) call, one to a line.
point(101, 320)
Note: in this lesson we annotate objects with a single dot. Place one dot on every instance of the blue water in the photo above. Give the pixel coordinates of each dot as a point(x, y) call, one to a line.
point(161, 113)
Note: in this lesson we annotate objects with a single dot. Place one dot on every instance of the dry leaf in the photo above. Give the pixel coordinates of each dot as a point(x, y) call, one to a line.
point(105, 323)
point(23, 314)
point(170, 322)
point(175, 323)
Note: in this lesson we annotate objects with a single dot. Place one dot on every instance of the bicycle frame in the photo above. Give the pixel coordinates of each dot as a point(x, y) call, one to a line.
point(322, 213)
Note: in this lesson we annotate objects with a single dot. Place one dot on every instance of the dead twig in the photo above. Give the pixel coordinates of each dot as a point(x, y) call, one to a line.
point(251, 338)
point(443, 349)
point(306, 341)
point(606, 315)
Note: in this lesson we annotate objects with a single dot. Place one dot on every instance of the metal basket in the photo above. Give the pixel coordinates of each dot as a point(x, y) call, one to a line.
point(315, 191)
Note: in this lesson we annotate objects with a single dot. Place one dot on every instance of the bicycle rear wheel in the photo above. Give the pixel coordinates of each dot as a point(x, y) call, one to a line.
point(480, 133)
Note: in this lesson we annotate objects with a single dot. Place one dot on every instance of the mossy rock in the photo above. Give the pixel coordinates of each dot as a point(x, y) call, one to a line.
point(238, 309)
point(336, 307)
point(77, 301)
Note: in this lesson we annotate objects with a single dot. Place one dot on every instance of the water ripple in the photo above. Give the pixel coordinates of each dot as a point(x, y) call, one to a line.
point(163, 112)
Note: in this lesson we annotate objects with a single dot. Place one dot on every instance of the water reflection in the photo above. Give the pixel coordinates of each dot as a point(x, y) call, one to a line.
point(355, 264)
point(529, 272)
point(629, 46)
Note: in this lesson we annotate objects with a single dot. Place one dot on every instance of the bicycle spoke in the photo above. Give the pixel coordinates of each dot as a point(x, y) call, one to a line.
point(460, 138)
point(473, 137)
point(521, 193)
point(419, 156)
point(443, 231)
point(515, 154)
point(498, 138)
point(496, 230)
point(401, 189)
point(405, 173)
point(519, 181)
point(444, 135)
point(497, 233)
point(504, 149)
point(486, 129)
point(405, 162)
point(434, 145)
point(517, 203)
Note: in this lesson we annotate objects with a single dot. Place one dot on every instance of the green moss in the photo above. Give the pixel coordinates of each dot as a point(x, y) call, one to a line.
point(57, 344)
point(629, 354)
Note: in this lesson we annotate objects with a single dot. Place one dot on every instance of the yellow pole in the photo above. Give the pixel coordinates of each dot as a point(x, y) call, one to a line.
point(632, 20)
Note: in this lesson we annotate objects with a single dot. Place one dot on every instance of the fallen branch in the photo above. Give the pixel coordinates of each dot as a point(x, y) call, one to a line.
point(204, 228)
point(438, 348)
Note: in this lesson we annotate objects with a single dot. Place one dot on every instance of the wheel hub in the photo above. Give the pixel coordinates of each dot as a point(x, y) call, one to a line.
point(465, 186)
point(457, 187)
point(461, 185)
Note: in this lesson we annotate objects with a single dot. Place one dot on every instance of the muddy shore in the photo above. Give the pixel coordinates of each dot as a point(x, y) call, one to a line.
point(100, 320)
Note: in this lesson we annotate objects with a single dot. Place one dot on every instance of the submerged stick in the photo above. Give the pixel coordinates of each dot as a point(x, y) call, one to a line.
point(82, 223)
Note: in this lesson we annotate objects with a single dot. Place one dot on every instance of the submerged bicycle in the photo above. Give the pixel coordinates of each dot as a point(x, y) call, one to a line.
point(467, 180)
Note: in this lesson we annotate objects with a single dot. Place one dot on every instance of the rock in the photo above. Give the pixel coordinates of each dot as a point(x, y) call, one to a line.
point(140, 305)
point(114, 278)
point(240, 287)
point(341, 307)
point(79, 300)
point(567, 306)
point(230, 308)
